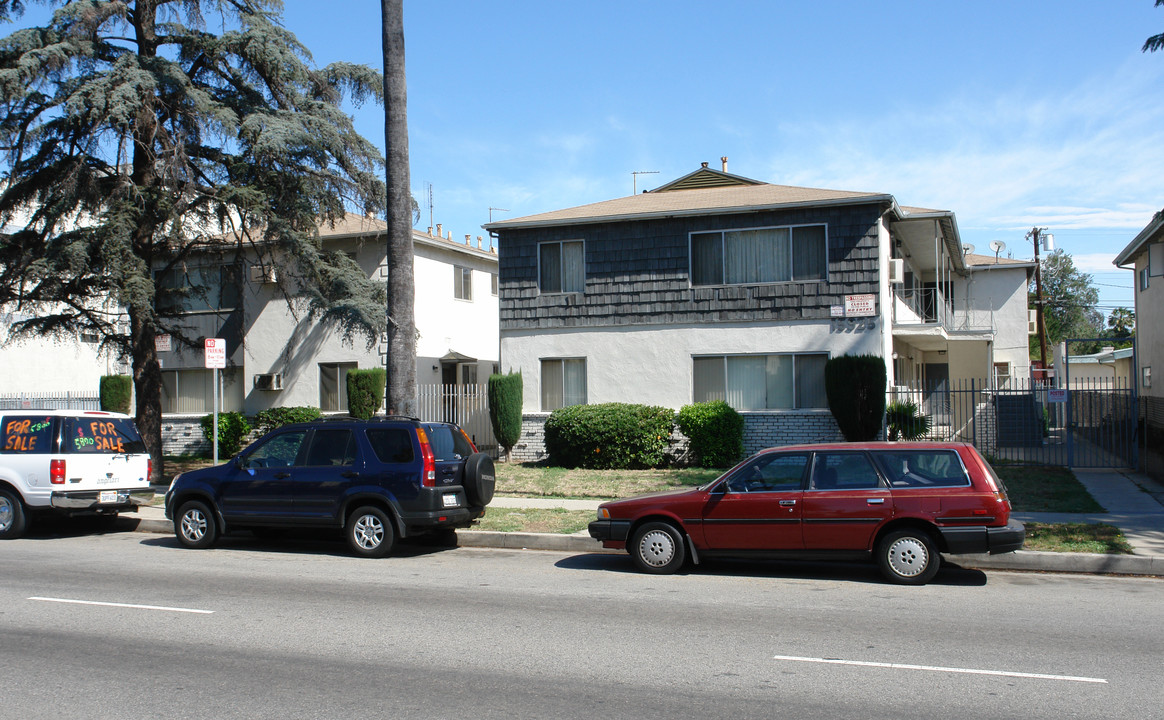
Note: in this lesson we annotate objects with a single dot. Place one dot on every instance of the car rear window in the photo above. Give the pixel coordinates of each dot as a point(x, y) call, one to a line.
point(923, 468)
point(391, 445)
point(448, 443)
point(101, 435)
point(26, 434)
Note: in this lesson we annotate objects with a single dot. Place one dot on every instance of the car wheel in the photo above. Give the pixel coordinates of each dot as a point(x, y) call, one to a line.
point(909, 557)
point(370, 532)
point(657, 548)
point(479, 479)
point(195, 525)
point(13, 520)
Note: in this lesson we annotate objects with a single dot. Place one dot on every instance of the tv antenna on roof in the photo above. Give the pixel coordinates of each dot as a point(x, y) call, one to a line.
point(997, 246)
point(635, 181)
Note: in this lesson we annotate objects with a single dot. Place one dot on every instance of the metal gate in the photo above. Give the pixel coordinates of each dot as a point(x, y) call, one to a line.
point(1092, 424)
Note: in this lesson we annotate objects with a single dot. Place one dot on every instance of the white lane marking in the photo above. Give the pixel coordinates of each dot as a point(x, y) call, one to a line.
point(932, 668)
point(124, 605)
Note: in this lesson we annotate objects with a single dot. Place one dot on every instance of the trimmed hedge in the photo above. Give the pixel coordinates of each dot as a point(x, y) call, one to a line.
point(365, 392)
point(232, 430)
point(715, 431)
point(268, 420)
point(855, 386)
point(610, 436)
point(505, 409)
point(115, 392)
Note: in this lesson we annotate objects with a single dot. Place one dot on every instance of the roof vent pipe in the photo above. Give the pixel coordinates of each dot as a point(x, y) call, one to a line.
point(703, 165)
point(440, 231)
point(724, 161)
point(468, 239)
point(478, 242)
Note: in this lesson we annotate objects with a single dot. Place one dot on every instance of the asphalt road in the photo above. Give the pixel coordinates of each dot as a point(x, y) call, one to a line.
point(131, 626)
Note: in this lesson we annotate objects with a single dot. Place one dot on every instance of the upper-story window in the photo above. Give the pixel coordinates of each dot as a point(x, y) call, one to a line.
point(764, 255)
point(462, 283)
point(493, 284)
point(561, 267)
point(198, 289)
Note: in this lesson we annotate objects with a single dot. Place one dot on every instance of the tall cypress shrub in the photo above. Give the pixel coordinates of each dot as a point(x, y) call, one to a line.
point(365, 392)
point(505, 409)
point(855, 386)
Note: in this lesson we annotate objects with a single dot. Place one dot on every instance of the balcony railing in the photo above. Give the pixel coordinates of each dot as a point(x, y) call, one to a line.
point(929, 306)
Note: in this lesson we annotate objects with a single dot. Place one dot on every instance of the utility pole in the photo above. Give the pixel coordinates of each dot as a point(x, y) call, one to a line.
point(1034, 234)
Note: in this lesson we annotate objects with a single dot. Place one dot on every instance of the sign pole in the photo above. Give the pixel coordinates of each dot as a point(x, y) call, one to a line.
point(215, 360)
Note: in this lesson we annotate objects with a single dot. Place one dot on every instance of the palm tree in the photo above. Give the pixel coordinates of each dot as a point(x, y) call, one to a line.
point(401, 361)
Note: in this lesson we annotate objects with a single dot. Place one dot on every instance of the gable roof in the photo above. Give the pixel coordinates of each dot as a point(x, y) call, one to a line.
point(1152, 232)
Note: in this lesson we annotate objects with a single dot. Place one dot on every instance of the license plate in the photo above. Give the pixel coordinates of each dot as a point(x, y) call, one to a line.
point(450, 500)
point(107, 496)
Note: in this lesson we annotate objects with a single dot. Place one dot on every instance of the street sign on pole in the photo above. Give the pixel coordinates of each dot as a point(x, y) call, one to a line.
point(215, 360)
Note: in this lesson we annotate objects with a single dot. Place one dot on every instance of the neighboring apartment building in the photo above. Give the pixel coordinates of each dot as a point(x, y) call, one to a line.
point(1145, 255)
point(716, 286)
point(279, 358)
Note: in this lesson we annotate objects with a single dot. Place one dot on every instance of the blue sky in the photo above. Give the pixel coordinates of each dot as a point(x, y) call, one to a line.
point(1012, 114)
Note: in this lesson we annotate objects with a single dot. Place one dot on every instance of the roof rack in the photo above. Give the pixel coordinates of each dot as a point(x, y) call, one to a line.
point(374, 418)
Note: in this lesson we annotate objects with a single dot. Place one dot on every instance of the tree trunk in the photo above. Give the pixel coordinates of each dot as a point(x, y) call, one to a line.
point(401, 361)
point(147, 385)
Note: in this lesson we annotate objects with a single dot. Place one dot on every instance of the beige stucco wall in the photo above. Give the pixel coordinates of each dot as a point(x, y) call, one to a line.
point(1150, 326)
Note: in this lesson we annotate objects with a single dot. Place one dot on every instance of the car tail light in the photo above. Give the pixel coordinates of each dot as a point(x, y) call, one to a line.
point(428, 474)
point(57, 472)
point(150, 469)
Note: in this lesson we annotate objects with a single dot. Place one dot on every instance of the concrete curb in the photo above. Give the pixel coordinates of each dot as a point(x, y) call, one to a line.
point(1026, 560)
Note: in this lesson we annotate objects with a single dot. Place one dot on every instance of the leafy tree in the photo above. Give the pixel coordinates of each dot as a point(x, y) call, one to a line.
point(1069, 301)
point(1155, 42)
point(138, 135)
point(505, 402)
point(401, 397)
point(1122, 322)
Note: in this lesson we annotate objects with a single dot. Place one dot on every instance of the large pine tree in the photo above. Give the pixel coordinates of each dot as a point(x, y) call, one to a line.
point(138, 135)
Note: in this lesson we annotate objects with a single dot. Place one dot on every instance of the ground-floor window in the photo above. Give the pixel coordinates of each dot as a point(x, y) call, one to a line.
point(762, 382)
point(192, 391)
point(563, 383)
point(333, 386)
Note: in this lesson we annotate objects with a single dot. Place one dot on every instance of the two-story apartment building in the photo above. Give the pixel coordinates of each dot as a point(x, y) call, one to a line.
point(1145, 255)
point(717, 286)
point(278, 357)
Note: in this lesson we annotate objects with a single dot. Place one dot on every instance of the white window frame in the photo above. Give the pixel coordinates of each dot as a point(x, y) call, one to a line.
point(177, 381)
point(463, 283)
point(563, 284)
point(792, 278)
point(340, 370)
point(558, 365)
point(727, 391)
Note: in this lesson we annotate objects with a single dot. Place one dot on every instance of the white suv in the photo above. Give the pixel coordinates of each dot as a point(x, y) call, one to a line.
point(70, 462)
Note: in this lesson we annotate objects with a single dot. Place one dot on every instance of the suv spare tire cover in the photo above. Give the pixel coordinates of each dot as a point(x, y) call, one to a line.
point(479, 479)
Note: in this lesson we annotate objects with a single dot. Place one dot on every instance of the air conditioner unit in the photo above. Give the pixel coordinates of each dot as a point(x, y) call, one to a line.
point(1032, 322)
point(262, 273)
point(897, 270)
point(269, 381)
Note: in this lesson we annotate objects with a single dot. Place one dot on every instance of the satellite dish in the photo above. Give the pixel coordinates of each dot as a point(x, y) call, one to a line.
point(967, 249)
point(997, 246)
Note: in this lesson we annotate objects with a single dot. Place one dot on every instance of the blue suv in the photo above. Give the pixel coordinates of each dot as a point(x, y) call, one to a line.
point(376, 479)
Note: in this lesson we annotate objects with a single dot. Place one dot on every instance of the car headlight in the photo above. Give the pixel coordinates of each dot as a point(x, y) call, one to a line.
point(603, 514)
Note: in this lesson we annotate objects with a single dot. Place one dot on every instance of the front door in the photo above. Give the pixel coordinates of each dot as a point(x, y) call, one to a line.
point(846, 501)
point(759, 506)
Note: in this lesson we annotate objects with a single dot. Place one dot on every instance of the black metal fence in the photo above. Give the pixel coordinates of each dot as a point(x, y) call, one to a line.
point(1090, 424)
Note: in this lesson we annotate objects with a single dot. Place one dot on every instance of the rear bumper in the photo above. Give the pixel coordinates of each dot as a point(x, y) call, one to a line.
point(981, 539)
point(91, 500)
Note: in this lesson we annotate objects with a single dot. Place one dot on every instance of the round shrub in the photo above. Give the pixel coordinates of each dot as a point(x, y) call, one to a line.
point(610, 436)
point(365, 392)
point(715, 431)
point(115, 392)
point(232, 429)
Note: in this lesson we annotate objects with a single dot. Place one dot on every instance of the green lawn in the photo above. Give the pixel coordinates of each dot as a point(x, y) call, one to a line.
point(1034, 488)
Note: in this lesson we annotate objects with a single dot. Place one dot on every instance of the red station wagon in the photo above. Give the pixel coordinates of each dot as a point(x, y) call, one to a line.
point(901, 503)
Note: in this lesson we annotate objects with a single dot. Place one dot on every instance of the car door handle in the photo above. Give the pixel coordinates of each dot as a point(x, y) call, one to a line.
point(876, 501)
point(787, 503)
point(281, 475)
point(350, 474)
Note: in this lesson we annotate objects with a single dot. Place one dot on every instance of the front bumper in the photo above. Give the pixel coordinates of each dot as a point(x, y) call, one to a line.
point(982, 539)
point(99, 501)
point(610, 530)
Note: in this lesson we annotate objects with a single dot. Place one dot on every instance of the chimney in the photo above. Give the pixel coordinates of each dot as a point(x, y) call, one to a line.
point(468, 239)
point(724, 161)
point(430, 230)
point(478, 242)
point(703, 165)
point(440, 232)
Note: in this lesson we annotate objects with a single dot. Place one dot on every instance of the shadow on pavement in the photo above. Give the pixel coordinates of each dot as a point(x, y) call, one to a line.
point(299, 542)
point(778, 569)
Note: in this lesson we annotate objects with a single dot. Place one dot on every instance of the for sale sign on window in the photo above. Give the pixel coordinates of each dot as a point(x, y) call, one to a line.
point(215, 353)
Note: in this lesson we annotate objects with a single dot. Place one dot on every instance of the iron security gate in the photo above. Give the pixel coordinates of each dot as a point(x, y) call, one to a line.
point(1092, 424)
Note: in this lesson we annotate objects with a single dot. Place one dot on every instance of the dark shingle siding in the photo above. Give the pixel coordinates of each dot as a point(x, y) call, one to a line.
point(637, 273)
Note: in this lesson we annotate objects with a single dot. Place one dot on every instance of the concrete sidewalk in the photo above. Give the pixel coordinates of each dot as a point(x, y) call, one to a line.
point(1131, 499)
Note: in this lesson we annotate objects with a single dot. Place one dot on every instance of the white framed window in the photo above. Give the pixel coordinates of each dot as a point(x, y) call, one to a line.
point(1144, 274)
point(212, 288)
point(493, 284)
point(561, 267)
point(563, 383)
point(1146, 376)
point(462, 283)
point(333, 386)
point(1156, 259)
point(191, 391)
point(797, 253)
point(762, 382)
